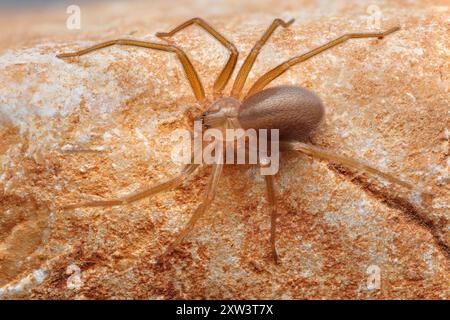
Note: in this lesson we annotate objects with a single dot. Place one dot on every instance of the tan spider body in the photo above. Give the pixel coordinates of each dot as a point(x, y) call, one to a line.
point(295, 111)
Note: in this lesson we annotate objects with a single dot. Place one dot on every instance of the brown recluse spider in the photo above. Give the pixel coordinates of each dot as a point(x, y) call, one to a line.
point(295, 111)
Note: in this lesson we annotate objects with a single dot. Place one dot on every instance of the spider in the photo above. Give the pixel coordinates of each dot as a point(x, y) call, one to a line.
point(294, 111)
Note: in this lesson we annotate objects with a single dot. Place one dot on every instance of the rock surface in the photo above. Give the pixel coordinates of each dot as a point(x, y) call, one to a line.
point(387, 103)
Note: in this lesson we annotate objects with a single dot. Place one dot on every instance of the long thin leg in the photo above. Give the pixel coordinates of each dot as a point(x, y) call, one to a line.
point(231, 63)
point(270, 185)
point(262, 82)
point(191, 74)
point(250, 60)
point(323, 154)
point(201, 209)
point(160, 187)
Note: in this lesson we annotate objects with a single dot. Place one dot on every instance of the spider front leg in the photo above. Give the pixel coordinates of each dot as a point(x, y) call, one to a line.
point(250, 60)
point(133, 197)
point(271, 198)
point(191, 74)
point(268, 77)
point(231, 63)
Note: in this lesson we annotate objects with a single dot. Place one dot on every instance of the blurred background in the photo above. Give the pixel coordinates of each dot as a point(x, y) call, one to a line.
point(30, 22)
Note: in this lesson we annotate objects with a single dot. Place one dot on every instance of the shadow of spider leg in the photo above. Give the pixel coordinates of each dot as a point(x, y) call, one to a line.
point(160, 187)
point(271, 198)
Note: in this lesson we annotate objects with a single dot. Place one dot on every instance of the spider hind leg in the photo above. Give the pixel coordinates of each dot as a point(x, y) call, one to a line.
point(147, 192)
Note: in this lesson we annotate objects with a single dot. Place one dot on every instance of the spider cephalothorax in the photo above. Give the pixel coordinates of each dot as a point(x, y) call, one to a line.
point(224, 109)
point(294, 111)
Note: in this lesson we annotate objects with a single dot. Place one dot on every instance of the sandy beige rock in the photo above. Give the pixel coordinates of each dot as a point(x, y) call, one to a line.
point(387, 103)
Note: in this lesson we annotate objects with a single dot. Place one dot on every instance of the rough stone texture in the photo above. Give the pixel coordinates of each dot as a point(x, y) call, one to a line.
point(387, 103)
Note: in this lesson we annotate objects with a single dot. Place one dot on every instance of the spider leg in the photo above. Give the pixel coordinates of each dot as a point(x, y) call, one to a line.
point(326, 155)
point(250, 60)
point(201, 209)
point(160, 187)
point(191, 74)
point(262, 82)
point(231, 63)
point(270, 186)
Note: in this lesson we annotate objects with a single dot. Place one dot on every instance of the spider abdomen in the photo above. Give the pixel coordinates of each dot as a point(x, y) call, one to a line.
point(295, 111)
